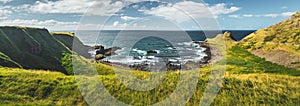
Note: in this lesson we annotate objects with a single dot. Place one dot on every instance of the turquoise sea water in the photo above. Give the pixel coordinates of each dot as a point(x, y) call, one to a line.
point(169, 45)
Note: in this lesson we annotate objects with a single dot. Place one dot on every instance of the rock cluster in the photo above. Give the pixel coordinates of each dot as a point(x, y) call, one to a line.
point(102, 53)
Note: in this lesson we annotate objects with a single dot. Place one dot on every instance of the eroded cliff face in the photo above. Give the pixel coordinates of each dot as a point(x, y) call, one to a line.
point(73, 43)
point(279, 43)
point(32, 48)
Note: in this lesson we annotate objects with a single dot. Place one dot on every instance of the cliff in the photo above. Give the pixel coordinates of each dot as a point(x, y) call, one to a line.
point(73, 43)
point(6, 61)
point(279, 43)
point(31, 48)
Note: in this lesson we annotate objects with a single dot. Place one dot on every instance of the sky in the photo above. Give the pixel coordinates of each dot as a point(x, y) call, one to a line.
point(146, 14)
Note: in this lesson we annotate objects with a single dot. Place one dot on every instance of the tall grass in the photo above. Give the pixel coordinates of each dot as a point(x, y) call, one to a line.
point(31, 87)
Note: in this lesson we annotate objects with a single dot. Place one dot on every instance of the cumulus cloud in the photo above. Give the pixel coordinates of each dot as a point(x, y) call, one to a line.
point(88, 7)
point(284, 14)
point(187, 10)
point(5, 1)
point(222, 9)
point(59, 25)
point(128, 18)
point(5, 12)
point(51, 24)
point(235, 16)
point(116, 23)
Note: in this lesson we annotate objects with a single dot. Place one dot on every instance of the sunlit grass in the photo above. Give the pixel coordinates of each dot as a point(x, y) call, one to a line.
point(63, 33)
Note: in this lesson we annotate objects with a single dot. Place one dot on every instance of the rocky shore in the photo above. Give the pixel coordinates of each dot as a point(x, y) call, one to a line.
point(168, 64)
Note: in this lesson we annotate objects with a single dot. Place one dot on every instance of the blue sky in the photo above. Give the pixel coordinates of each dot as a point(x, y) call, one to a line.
point(146, 15)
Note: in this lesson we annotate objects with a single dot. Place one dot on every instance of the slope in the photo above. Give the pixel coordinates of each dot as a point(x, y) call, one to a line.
point(32, 48)
point(73, 43)
point(279, 43)
point(5, 61)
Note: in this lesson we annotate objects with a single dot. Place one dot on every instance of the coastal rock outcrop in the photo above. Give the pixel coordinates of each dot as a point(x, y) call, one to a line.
point(152, 52)
point(102, 53)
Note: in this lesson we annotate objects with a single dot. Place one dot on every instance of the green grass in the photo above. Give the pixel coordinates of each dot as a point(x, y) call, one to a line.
point(242, 62)
point(31, 87)
point(37, 87)
point(282, 38)
point(32, 48)
point(63, 33)
point(249, 80)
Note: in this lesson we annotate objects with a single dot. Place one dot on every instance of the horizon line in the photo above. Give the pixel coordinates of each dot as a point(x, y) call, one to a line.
point(158, 30)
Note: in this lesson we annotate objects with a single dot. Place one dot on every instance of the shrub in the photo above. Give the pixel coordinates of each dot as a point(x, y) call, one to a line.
point(269, 38)
point(67, 63)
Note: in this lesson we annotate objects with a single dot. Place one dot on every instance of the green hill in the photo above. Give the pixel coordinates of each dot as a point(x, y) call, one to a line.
point(32, 48)
point(279, 43)
point(240, 61)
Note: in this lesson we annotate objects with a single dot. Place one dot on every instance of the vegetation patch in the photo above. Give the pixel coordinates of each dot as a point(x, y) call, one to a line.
point(250, 63)
point(269, 38)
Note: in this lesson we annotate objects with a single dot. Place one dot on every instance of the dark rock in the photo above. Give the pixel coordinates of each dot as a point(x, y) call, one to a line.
point(152, 52)
point(173, 65)
point(99, 47)
point(207, 52)
point(201, 43)
point(111, 51)
point(101, 52)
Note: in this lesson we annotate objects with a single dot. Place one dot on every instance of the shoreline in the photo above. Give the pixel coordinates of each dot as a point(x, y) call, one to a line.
point(167, 65)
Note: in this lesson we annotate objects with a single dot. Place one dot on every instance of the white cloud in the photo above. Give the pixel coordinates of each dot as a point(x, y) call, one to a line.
point(285, 14)
point(186, 10)
point(222, 9)
point(235, 16)
point(248, 15)
point(5, 12)
point(5, 1)
point(51, 24)
point(88, 7)
point(58, 25)
point(116, 23)
point(284, 7)
point(127, 18)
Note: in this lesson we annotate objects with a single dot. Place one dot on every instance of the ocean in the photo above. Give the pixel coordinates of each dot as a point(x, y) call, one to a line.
point(153, 46)
point(94, 37)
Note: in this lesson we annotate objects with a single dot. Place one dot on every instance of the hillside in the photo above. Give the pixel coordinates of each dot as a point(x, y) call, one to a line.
point(5, 61)
point(279, 43)
point(73, 43)
point(241, 61)
point(31, 48)
point(52, 88)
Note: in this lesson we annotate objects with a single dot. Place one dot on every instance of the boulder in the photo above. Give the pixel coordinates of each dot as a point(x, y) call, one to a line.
point(152, 52)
